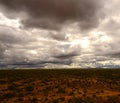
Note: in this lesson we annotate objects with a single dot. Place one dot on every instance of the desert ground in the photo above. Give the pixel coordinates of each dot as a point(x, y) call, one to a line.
point(60, 86)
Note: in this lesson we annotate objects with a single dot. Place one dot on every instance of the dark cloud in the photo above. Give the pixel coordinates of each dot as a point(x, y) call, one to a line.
point(2, 49)
point(36, 64)
point(5, 41)
point(114, 54)
point(67, 55)
point(8, 38)
point(55, 61)
point(43, 62)
point(58, 36)
point(63, 33)
point(11, 42)
point(18, 47)
point(52, 13)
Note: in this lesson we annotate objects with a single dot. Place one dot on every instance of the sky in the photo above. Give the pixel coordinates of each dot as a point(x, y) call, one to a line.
point(59, 34)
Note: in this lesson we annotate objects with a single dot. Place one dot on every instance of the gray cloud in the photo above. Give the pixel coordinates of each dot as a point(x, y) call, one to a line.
point(10, 42)
point(68, 55)
point(2, 49)
point(7, 37)
point(53, 13)
point(54, 33)
point(114, 54)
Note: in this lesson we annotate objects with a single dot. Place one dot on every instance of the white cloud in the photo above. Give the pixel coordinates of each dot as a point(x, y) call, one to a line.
point(9, 22)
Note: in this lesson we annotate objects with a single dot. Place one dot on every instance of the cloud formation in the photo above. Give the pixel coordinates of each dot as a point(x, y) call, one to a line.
point(52, 14)
point(55, 33)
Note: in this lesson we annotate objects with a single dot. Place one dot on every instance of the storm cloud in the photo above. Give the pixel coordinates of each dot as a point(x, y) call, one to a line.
point(52, 14)
point(59, 33)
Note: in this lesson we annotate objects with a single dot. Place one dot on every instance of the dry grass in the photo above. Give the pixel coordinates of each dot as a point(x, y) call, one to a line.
point(60, 86)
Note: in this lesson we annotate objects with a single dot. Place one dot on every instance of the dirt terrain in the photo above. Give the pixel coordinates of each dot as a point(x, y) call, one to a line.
point(60, 86)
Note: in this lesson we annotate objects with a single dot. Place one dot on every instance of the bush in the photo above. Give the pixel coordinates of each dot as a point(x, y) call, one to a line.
point(34, 99)
point(9, 95)
point(61, 90)
point(20, 94)
point(62, 98)
point(12, 87)
point(55, 101)
point(77, 100)
point(102, 91)
point(94, 95)
point(3, 82)
point(1, 98)
point(71, 93)
point(89, 100)
point(113, 99)
point(20, 99)
point(29, 88)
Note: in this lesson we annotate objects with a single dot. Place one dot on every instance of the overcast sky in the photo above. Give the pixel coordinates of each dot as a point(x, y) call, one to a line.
point(59, 33)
